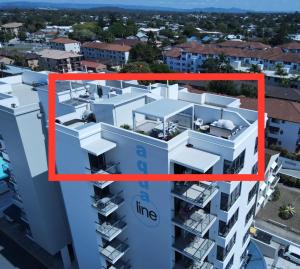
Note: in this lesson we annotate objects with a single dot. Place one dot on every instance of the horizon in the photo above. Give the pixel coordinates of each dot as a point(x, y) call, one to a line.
point(260, 5)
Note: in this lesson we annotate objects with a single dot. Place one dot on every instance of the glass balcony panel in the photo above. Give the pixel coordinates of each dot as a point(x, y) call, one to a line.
point(196, 248)
point(198, 193)
point(114, 250)
point(109, 230)
point(195, 221)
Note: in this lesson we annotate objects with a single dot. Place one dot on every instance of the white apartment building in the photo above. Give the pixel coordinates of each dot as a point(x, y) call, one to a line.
point(189, 57)
point(267, 187)
point(283, 125)
point(59, 61)
point(109, 127)
point(24, 155)
point(66, 44)
point(108, 53)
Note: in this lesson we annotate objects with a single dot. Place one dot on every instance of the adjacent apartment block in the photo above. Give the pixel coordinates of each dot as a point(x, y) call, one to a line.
point(283, 125)
point(66, 44)
point(107, 127)
point(108, 53)
point(189, 57)
point(12, 27)
point(36, 203)
point(267, 187)
point(59, 61)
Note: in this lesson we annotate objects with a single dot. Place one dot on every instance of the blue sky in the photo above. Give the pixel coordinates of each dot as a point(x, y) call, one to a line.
point(261, 5)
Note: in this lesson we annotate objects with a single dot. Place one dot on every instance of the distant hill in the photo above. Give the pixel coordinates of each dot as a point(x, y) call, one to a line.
point(70, 5)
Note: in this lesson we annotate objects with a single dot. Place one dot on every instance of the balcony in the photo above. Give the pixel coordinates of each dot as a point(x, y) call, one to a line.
point(114, 251)
point(196, 221)
point(188, 264)
point(110, 230)
point(102, 184)
point(108, 204)
point(277, 168)
point(197, 193)
point(120, 265)
point(110, 168)
point(193, 247)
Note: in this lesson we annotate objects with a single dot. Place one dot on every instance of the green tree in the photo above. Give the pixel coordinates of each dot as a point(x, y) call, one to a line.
point(167, 32)
point(279, 71)
point(22, 35)
point(160, 68)
point(219, 64)
point(223, 87)
point(287, 211)
point(136, 67)
point(144, 53)
point(281, 35)
point(189, 30)
point(255, 68)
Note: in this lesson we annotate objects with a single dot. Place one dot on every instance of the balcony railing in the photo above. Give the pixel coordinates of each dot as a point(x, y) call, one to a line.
point(277, 168)
point(113, 251)
point(111, 168)
point(196, 248)
point(108, 204)
point(196, 222)
point(110, 230)
point(120, 265)
point(102, 184)
point(196, 193)
point(189, 264)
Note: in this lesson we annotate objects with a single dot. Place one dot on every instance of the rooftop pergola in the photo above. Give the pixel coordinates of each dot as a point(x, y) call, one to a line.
point(162, 111)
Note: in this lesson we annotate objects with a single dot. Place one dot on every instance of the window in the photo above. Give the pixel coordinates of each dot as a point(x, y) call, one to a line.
point(97, 162)
point(227, 200)
point(223, 252)
point(224, 228)
point(235, 166)
point(252, 192)
point(246, 236)
point(250, 213)
point(256, 145)
point(230, 263)
point(254, 168)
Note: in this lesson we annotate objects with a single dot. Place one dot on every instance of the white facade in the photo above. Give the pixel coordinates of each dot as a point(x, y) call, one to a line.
point(155, 224)
point(267, 187)
point(191, 60)
point(285, 134)
point(113, 54)
point(22, 131)
point(71, 47)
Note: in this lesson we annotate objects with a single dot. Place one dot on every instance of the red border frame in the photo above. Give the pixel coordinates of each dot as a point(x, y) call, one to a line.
point(53, 176)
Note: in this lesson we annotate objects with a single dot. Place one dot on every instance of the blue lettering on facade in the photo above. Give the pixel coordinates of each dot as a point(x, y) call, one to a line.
point(142, 206)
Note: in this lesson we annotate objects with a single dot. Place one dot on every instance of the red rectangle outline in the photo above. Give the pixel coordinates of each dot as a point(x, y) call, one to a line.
point(53, 77)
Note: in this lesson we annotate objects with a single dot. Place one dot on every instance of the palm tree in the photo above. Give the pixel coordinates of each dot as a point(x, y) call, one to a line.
point(287, 211)
point(279, 71)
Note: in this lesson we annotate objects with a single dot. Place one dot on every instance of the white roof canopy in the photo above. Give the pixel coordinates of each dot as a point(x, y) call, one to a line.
point(164, 108)
point(99, 146)
point(194, 158)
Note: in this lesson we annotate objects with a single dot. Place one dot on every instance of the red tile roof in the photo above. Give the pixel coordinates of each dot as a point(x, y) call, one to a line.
point(275, 108)
point(244, 45)
point(106, 46)
point(94, 65)
point(271, 54)
point(291, 46)
point(63, 40)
